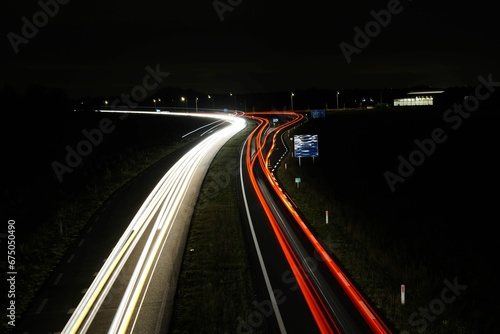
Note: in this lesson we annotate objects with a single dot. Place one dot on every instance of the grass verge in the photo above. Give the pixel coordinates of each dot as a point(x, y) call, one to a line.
point(376, 261)
point(215, 284)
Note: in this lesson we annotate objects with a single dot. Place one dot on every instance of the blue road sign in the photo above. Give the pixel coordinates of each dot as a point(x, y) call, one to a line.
point(305, 146)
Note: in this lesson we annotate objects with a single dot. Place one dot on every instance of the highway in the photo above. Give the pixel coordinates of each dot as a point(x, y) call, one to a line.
point(143, 248)
point(333, 303)
point(301, 288)
point(135, 285)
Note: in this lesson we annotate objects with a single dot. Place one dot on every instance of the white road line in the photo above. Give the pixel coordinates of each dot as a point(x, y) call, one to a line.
point(58, 278)
point(270, 290)
point(42, 305)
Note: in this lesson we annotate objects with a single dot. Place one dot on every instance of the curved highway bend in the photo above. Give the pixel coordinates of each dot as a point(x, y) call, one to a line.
point(144, 252)
point(125, 294)
point(333, 301)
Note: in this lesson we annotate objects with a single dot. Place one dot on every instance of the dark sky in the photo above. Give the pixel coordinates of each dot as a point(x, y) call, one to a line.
point(101, 48)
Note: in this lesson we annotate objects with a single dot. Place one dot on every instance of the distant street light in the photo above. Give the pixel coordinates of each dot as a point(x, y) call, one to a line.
point(196, 102)
point(154, 101)
point(291, 99)
point(213, 101)
point(183, 99)
point(337, 99)
point(231, 94)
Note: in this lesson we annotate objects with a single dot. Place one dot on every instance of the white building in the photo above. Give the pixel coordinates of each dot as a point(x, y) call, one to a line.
point(422, 98)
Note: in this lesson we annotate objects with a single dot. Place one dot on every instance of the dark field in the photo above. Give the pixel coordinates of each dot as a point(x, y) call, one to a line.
point(448, 198)
point(436, 223)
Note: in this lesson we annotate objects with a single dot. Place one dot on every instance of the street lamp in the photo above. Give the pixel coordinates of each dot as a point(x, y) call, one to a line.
point(338, 99)
point(154, 101)
point(213, 101)
point(196, 103)
point(291, 99)
point(183, 99)
point(231, 94)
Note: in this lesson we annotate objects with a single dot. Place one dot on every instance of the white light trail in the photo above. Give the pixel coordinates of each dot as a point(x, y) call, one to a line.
point(156, 217)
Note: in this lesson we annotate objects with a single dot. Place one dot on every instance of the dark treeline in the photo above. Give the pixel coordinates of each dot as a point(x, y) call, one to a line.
point(56, 103)
point(314, 98)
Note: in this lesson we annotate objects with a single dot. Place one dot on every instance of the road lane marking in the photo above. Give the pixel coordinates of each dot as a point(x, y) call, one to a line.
point(58, 278)
point(70, 258)
point(42, 305)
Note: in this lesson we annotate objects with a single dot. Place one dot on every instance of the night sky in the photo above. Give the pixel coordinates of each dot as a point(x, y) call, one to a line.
point(94, 48)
